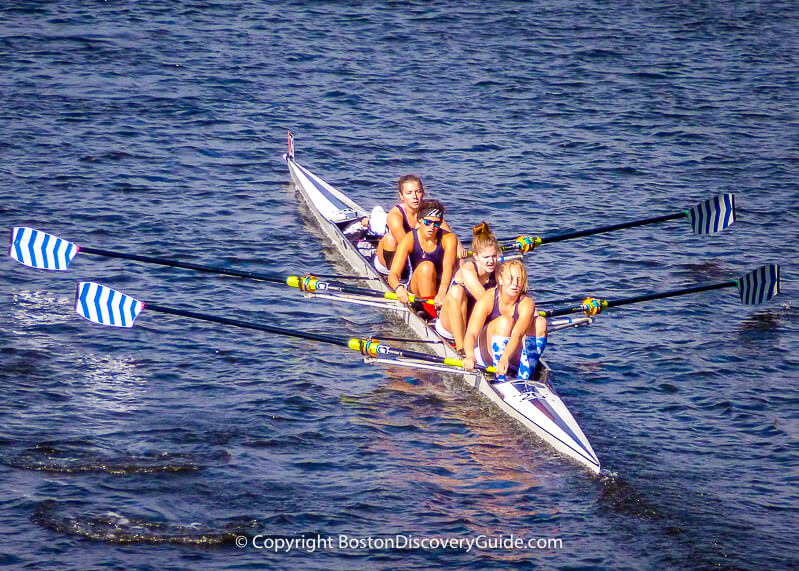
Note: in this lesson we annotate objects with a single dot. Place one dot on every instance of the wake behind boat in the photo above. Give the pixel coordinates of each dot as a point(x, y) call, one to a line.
point(533, 403)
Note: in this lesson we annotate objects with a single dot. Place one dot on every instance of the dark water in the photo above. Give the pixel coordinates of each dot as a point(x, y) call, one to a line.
point(158, 129)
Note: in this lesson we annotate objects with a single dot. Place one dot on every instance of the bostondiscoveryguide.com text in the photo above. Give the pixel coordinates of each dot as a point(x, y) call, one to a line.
point(341, 542)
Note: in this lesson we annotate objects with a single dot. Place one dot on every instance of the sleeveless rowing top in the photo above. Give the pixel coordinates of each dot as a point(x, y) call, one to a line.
point(495, 311)
point(470, 299)
point(405, 224)
point(418, 255)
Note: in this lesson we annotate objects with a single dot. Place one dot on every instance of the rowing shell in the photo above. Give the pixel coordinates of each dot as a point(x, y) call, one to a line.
point(532, 403)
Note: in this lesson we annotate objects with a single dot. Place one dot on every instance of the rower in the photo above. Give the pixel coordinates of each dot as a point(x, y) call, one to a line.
point(400, 220)
point(430, 251)
point(504, 329)
point(470, 282)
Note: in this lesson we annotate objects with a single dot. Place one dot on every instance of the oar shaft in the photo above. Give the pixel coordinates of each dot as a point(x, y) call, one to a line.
point(345, 342)
point(248, 325)
point(313, 285)
point(374, 349)
point(641, 298)
point(184, 265)
point(610, 228)
point(673, 293)
point(708, 217)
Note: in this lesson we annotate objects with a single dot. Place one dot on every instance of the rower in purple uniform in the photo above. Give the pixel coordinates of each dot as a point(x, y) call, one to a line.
point(504, 329)
point(470, 282)
point(431, 252)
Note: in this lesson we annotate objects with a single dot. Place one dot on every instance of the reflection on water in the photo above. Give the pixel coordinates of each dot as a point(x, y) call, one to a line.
point(439, 436)
point(113, 384)
point(761, 321)
point(34, 308)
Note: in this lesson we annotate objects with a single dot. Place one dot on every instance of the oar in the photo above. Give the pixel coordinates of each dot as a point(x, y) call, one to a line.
point(106, 306)
point(708, 217)
point(311, 284)
point(758, 286)
point(43, 251)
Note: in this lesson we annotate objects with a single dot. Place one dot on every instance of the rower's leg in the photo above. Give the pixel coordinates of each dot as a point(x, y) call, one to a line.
point(540, 326)
point(423, 280)
point(483, 347)
point(498, 331)
point(502, 326)
point(498, 345)
point(386, 249)
point(453, 314)
point(534, 344)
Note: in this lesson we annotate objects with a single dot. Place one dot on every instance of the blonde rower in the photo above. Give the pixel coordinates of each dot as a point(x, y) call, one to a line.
point(470, 283)
point(504, 329)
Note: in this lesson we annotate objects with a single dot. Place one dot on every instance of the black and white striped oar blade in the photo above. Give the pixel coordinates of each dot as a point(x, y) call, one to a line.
point(41, 250)
point(760, 285)
point(713, 215)
point(106, 306)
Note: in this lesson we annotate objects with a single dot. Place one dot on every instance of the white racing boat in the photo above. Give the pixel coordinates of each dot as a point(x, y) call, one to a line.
point(533, 403)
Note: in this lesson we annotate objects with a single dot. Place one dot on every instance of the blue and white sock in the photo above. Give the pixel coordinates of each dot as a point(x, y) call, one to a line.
point(531, 354)
point(525, 369)
point(498, 344)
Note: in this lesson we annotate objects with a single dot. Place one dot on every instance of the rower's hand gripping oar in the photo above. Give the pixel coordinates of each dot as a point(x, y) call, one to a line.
point(754, 288)
point(105, 306)
point(708, 217)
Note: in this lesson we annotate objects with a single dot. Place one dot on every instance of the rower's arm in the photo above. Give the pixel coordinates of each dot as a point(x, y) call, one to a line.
point(400, 259)
point(394, 220)
point(526, 313)
point(476, 323)
point(450, 243)
point(471, 280)
point(460, 251)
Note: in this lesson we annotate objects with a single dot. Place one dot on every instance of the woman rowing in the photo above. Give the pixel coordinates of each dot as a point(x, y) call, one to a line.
point(504, 329)
point(470, 283)
point(430, 251)
point(400, 220)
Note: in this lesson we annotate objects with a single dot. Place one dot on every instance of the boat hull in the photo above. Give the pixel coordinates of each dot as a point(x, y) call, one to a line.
point(534, 404)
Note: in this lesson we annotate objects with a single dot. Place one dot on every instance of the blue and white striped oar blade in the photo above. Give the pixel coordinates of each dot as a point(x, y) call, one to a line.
point(760, 285)
point(106, 306)
point(714, 215)
point(40, 250)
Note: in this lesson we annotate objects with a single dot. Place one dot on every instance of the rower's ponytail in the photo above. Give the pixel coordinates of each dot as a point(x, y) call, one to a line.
point(483, 238)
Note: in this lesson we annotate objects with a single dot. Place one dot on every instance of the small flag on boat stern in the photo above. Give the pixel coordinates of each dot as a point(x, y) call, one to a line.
point(106, 306)
point(713, 215)
point(40, 250)
point(760, 285)
point(290, 153)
